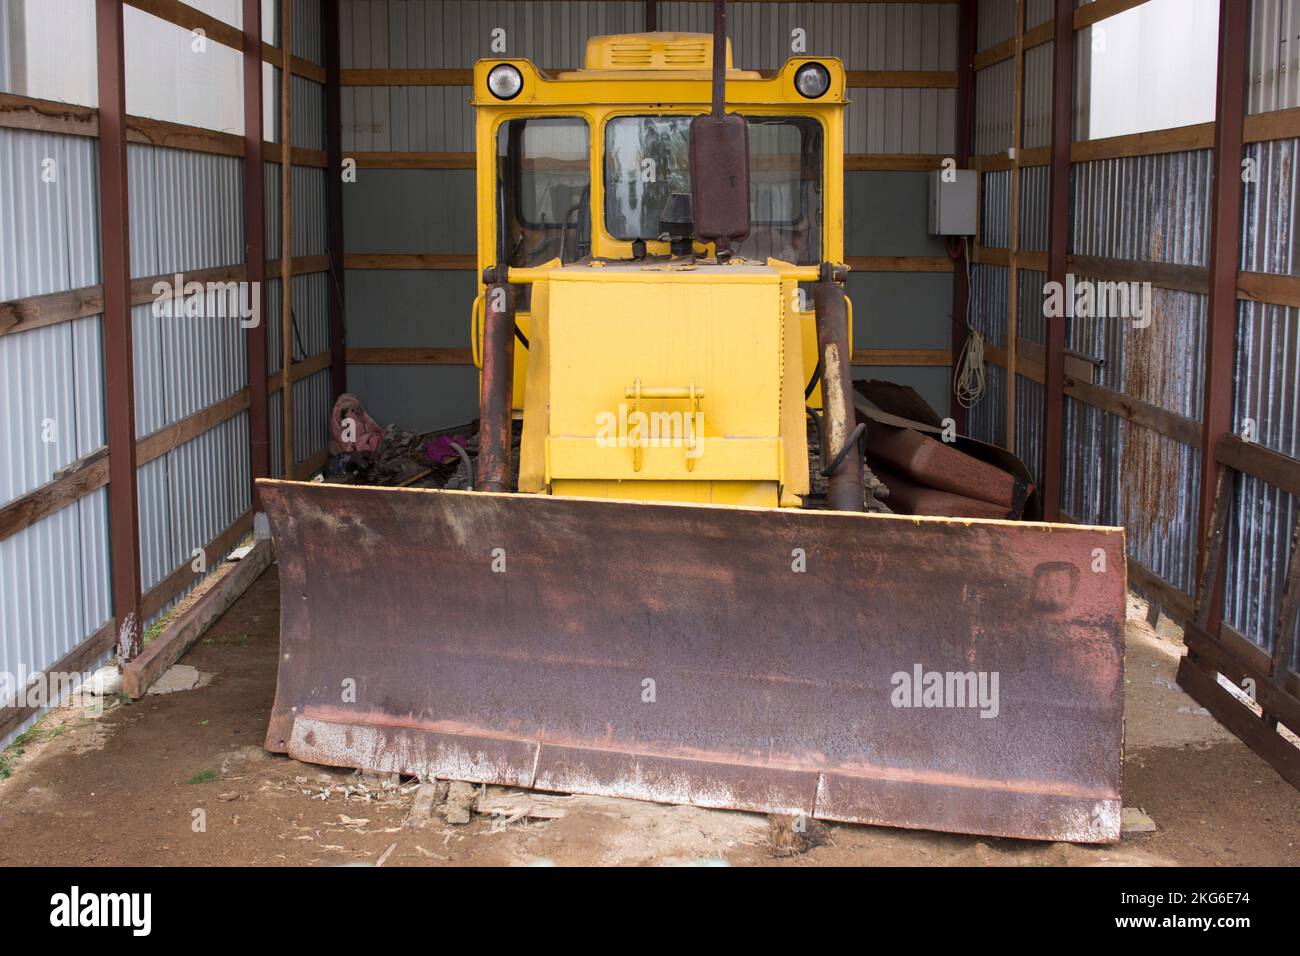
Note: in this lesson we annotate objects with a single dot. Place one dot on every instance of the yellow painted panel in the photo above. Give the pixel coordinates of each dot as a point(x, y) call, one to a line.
point(719, 329)
point(754, 494)
point(717, 459)
point(536, 387)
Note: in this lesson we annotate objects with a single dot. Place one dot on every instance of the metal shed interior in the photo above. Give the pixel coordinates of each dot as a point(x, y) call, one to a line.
point(155, 141)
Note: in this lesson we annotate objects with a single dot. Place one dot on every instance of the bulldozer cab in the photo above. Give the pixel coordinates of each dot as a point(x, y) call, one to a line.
point(585, 198)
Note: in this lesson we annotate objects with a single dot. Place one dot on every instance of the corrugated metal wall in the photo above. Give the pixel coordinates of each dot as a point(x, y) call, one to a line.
point(1151, 208)
point(312, 397)
point(53, 574)
point(1267, 402)
point(186, 215)
point(1273, 81)
point(432, 211)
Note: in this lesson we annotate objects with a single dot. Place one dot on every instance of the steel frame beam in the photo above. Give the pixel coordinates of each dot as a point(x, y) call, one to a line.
point(966, 14)
point(1058, 255)
point(119, 371)
point(255, 243)
point(334, 197)
point(1225, 254)
point(289, 452)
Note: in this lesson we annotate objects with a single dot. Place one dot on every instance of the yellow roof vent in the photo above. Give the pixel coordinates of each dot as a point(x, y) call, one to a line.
point(652, 51)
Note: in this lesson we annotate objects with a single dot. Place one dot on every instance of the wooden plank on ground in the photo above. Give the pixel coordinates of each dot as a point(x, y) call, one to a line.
point(193, 617)
point(1203, 686)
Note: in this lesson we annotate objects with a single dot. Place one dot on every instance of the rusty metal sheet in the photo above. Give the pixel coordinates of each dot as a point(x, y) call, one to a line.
point(676, 653)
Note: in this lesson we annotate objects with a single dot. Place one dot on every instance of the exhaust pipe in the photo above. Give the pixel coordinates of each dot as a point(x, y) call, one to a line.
point(839, 418)
point(496, 392)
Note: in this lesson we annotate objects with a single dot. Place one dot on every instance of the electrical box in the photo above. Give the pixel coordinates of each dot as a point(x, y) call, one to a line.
point(953, 207)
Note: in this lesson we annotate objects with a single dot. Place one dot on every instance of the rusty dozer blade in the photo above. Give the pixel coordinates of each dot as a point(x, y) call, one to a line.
point(956, 675)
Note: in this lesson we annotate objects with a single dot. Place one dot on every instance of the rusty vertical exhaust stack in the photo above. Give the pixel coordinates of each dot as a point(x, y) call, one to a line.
point(840, 433)
point(720, 158)
point(496, 387)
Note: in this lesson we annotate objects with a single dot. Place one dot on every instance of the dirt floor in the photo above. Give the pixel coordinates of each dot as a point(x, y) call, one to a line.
point(181, 779)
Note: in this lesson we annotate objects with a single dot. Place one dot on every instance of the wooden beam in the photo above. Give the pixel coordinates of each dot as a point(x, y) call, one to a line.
point(1251, 458)
point(47, 116)
point(299, 371)
point(299, 155)
point(22, 315)
point(914, 358)
point(1173, 601)
point(142, 290)
point(1180, 139)
point(997, 162)
point(195, 615)
point(1227, 657)
point(1275, 124)
point(53, 496)
point(1135, 410)
point(893, 162)
point(1030, 362)
point(991, 256)
point(413, 160)
point(407, 77)
point(119, 362)
point(409, 356)
point(169, 437)
point(188, 18)
point(418, 261)
point(1043, 33)
point(1265, 287)
point(153, 132)
point(1202, 684)
point(899, 263)
point(1163, 275)
point(1099, 10)
point(301, 265)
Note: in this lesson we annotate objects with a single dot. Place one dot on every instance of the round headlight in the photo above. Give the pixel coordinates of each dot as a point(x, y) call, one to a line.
point(505, 81)
point(812, 80)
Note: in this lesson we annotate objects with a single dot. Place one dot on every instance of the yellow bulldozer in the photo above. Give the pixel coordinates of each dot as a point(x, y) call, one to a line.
point(647, 599)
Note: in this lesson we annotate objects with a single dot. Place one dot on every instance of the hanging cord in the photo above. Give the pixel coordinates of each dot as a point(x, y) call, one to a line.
point(969, 379)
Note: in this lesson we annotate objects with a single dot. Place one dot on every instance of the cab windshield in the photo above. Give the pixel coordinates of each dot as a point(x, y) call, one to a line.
point(647, 162)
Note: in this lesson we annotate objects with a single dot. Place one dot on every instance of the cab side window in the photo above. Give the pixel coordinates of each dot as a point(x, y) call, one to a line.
point(544, 190)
